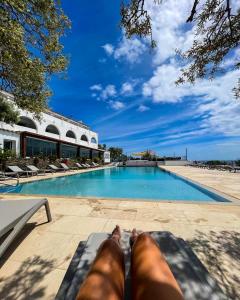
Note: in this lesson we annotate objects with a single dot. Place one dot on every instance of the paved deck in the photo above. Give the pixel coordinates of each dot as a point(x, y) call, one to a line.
point(34, 266)
point(222, 181)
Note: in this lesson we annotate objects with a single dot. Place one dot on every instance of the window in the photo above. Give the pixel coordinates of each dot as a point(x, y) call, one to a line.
point(71, 134)
point(84, 138)
point(68, 151)
point(40, 147)
point(52, 129)
point(93, 140)
point(26, 122)
point(9, 145)
point(84, 153)
point(95, 154)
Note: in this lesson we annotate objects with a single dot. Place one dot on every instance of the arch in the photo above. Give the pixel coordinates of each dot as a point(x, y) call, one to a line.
point(93, 140)
point(52, 129)
point(84, 138)
point(27, 122)
point(70, 134)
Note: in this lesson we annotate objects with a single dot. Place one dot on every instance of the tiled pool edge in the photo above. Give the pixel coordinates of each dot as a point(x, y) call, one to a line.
point(209, 189)
point(119, 200)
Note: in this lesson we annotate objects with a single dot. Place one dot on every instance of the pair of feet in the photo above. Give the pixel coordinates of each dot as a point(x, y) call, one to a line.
point(116, 235)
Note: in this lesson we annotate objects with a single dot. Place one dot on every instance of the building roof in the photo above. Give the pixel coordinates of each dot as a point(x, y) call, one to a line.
point(62, 117)
point(10, 97)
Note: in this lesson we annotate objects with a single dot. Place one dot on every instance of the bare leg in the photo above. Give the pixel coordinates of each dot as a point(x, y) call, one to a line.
point(151, 275)
point(105, 280)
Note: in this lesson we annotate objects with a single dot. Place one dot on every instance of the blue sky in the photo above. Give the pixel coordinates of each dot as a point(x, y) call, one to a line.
point(127, 93)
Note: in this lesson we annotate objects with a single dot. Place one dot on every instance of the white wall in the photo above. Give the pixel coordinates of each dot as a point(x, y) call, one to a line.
point(176, 162)
point(62, 124)
point(7, 135)
point(106, 157)
point(140, 163)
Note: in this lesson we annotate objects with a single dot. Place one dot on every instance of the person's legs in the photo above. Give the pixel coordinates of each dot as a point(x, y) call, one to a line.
point(105, 279)
point(151, 275)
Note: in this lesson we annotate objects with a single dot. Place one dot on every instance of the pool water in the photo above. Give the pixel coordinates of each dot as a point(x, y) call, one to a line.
point(121, 182)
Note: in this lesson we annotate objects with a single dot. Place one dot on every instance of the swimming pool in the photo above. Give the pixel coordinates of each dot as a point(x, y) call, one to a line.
point(148, 183)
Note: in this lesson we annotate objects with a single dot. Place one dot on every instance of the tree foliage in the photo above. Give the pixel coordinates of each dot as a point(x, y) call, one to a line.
point(7, 113)
point(116, 153)
point(30, 49)
point(216, 24)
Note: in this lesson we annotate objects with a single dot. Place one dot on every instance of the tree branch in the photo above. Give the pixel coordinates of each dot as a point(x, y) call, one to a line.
point(193, 12)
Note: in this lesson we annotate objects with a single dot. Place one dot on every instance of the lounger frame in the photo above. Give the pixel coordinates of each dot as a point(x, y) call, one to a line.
point(13, 229)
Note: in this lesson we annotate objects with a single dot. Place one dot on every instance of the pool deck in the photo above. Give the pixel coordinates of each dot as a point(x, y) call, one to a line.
point(35, 264)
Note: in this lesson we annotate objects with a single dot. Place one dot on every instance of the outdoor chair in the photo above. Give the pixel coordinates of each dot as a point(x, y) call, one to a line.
point(85, 166)
point(95, 165)
point(67, 168)
point(56, 169)
point(17, 171)
point(39, 171)
point(14, 214)
point(79, 166)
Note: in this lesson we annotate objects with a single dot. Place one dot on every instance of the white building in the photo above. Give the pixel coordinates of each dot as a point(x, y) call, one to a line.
point(53, 134)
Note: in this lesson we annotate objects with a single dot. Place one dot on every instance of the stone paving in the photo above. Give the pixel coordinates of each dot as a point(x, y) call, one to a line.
point(34, 266)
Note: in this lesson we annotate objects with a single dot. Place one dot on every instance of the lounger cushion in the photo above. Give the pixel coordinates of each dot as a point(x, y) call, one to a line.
point(12, 211)
point(195, 281)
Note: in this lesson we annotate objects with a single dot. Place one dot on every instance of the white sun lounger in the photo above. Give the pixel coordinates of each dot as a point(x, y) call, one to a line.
point(14, 214)
point(95, 165)
point(37, 170)
point(18, 171)
point(56, 169)
point(79, 166)
point(67, 168)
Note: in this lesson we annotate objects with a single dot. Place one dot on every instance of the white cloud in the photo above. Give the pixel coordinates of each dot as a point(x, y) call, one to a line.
point(213, 100)
point(109, 91)
point(167, 20)
point(117, 105)
point(142, 108)
point(109, 49)
point(129, 49)
point(127, 88)
point(96, 87)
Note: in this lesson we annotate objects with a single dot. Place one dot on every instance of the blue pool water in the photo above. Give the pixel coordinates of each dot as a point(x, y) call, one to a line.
point(124, 182)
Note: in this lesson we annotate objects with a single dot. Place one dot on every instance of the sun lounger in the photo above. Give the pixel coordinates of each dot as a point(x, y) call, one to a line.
point(95, 165)
point(236, 169)
point(67, 168)
point(14, 214)
point(20, 172)
point(87, 165)
point(39, 171)
point(79, 166)
point(56, 169)
point(193, 278)
point(84, 166)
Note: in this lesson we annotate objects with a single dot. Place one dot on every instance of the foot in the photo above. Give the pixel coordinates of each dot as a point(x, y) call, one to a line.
point(116, 234)
point(133, 236)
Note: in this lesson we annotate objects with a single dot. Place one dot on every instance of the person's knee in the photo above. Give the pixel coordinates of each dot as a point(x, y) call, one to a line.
point(144, 238)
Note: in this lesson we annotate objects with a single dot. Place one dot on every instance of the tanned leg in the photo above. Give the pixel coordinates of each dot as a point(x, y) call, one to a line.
point(152, 278)
point(105, 280)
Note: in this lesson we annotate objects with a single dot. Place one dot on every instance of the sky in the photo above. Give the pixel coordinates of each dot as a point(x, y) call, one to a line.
point(126, 92)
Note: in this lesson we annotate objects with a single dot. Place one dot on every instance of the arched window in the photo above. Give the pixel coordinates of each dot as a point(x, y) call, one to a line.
point(71, 134)
point(27, 122)
point(93, 140)
point(84, 138)
point(52, 129)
